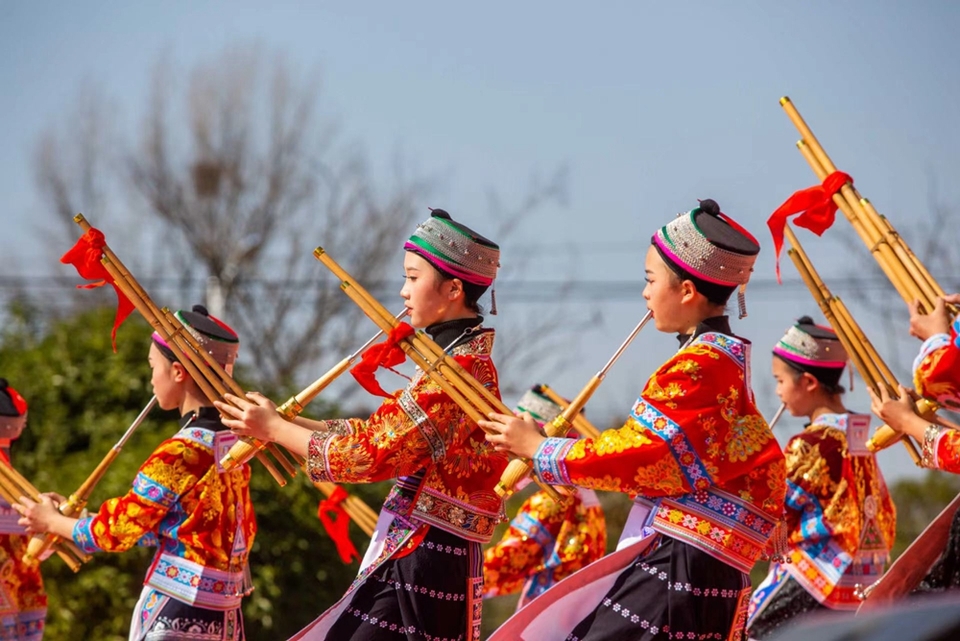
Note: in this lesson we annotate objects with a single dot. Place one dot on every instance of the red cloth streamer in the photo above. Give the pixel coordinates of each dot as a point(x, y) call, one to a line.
point(385, 354)
point(817, 207)
point(338, 525)
point(85, 256)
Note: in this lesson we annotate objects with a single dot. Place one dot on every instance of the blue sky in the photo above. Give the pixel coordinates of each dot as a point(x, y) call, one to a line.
point(651, 105)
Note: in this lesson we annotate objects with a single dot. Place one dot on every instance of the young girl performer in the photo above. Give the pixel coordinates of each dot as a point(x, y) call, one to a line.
point(23, 609)
point(200, 517)
point(421, 576)
point(707, 474)
point(841, 520)
point(546, 541)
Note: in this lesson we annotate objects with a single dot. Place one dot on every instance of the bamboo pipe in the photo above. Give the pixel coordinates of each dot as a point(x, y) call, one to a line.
point(863, 355)
point(518, 469)
point(294, 406)
point(39, 544)
point(776, 417)
point(417, 347)
point(580, 423)
point(154, 319)
point(422, 343)
point(879, 236)
point(12, 487)
point(894, 238)
point(132, 289)
point(473, 404)
point(880, 250)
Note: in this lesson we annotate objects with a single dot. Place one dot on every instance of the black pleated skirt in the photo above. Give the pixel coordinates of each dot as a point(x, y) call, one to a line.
point(675, 591)
point(425, 595)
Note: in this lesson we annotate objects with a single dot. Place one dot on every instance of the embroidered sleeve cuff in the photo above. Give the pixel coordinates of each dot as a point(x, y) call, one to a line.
point(941, 449)
point(151, 490)
point(340, 427)
point(550, 461)
point(317, 463)
point(83, 536)
point(929, 346)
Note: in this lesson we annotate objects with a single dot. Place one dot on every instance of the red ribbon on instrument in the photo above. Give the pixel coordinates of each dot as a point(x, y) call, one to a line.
point(85, 257)
point(385, 354)
point(338, 525)
point(817, 207)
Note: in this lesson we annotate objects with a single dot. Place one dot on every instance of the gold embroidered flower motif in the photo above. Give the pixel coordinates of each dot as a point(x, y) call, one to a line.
point(663, 477)
point(425, 503)
point(686, 366)
point(747, 436)
point(457, 516)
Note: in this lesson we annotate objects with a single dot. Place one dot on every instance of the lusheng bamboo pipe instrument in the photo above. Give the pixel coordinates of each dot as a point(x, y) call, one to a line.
point(209, 375)
point(871, 367)
point(358, 511)
point(518, 469)
point(776, 417)
point(13, 485)
point(901, 266)
point(584, 427)
point(39, 544)
point(468, 393)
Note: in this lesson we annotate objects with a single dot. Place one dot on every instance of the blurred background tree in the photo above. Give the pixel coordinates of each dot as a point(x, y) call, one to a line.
point(231, 178)
point(82, 397)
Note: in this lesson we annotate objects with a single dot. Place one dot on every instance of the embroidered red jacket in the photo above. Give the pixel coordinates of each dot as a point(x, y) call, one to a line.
point(936, 376)
point(23, 601)
point(840, 517)
point(199, 516)
point(448, 469)
point(545, 543)
point(695, 443)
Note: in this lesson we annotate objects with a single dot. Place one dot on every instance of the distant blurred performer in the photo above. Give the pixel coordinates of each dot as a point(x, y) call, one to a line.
point(200, 516)
point(23, 601)
point(841, 521)
point(546, 541)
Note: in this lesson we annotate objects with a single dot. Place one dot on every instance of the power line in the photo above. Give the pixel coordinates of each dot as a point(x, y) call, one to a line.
point(522, 290)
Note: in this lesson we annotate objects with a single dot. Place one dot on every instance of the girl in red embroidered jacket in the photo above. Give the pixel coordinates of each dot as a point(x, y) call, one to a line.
point(841, 521)
point(199, 516)
point(23, 601)
point(421, 576)
point(707, 474)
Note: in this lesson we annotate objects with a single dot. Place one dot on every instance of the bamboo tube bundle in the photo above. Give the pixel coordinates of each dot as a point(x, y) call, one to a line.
point(355, 507)
point(584, 427)
point(209, 375)
point(462, 388)
point(358, 511)
point(898, 262)
point(13, 485)
point(868, 362)
point(39, 544)
point(519, 469)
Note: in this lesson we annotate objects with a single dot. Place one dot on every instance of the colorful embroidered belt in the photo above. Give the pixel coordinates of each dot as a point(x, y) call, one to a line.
point(195, 584)
point(832, 577)
point(719, 523)
point(446, 513)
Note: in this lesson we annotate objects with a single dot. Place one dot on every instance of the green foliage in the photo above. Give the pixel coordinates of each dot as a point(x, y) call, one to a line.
point(82, 397)
point(918, 502)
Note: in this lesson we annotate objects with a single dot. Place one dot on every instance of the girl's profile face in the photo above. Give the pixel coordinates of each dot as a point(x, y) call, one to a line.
point(663, 294)
point(165, 387)
point(426, 295)
point(793, 388)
